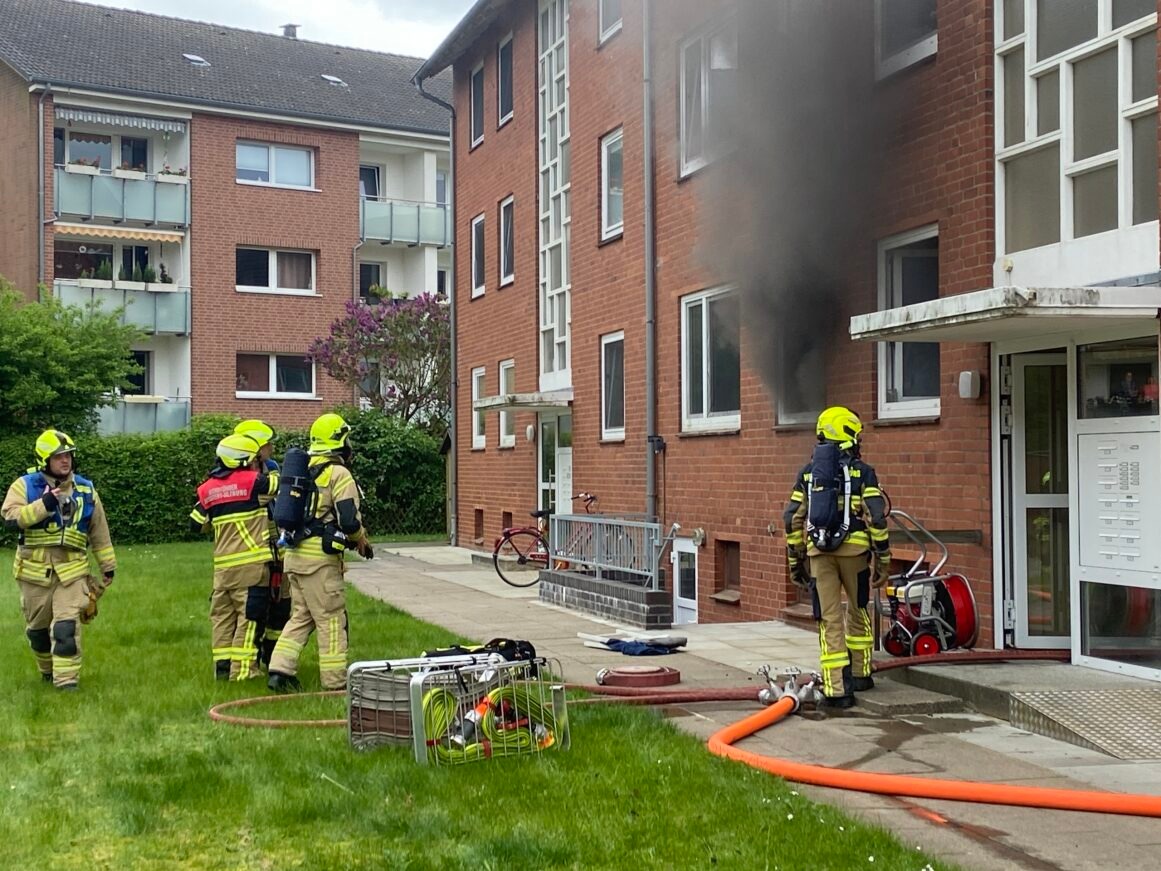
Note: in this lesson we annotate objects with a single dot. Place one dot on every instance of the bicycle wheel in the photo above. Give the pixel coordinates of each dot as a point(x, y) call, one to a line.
point(520, 556)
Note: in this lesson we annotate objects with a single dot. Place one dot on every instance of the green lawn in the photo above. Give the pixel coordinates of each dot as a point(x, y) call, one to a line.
point(129, 772)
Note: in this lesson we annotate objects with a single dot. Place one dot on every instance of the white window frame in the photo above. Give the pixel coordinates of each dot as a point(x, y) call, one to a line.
point(903, 408)
point(507, 270)
point(272, 271)
point(115, 142)
point(607, 30)
point(705, 421)
point(479, 247)
point(890, 64)
point(274, 394)
point(616, 137)
point(504, 119)
point(507, 417)
point(612, 434)
point(689, 165)
point(479, 426)
point(473, 109)
point(271, 147)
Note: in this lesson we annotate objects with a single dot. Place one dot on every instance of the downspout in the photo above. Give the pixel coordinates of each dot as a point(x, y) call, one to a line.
point(653, 442)
point(355, 279)
point(453, 452)
point(40, 185)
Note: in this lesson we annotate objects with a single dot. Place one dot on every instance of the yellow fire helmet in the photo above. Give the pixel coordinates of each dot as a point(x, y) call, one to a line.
point(329, 434)
point(261, 432)
point(50, 443)
point(237, 451)
point(841, 425)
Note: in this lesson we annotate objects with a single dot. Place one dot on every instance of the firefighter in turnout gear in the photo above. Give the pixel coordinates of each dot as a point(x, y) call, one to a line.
point(837, 540)
point(232, 502)
point(274, 598)
point(314, 565)
point(60, 519)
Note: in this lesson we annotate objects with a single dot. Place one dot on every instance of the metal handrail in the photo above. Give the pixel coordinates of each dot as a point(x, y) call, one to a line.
point(611, 546)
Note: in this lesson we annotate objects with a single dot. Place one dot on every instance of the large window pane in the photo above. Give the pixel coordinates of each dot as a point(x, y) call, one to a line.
point(1046, 429)
point(1048, 103)
point(1013, 18)
point(1145, 169)
point(913, 276)
point(478, 254)
point(294, 374)
point(1032, 199)
point(1119, 623)
point(904, 23)
point(1061, 24)
point(91, 148)
point(252, 267)
point(71, 259)
point(1048, 565)
point(507, 241)
point(1014, 97)
point(724, 362)
point(134, 153)
point(614, 384)
point(613, 185)
point(505, 75)
point(370, 277)
point(294, 270)
point(1125, 11)
point(1118, 379)
point(253, 372)
point(253, 162)
point(292, 167)
point(369, 182)
point(1145, 66)
point(695, 358)
point(691, 102)
point(1094, 104)
point(1094, 201)
point(477, 105)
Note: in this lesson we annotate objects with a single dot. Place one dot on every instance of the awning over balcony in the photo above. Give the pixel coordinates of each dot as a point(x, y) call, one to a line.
point(137, 235)
point(548, 401)
point(1002, 313)
point(115, 119)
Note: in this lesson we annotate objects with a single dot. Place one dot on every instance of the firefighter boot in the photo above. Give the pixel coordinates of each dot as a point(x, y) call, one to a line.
point(862, 684)
point(222, 669)
point(847, 700)
point(283, 683)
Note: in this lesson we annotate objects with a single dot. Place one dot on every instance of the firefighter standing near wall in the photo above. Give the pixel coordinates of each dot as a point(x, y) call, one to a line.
point(314, 565)
point(232, 502)
point(272, 599)
point(836, 540)
point(60, 518)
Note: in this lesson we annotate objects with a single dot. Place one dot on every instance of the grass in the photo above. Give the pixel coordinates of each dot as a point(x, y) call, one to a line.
point(129, 772)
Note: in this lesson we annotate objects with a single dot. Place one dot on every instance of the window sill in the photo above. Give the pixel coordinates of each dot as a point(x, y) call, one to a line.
point(474, 145)
point(477, 293)
point(508, 446)
point(727, 597)
point(504, 282)
point(616, 236)
point(611, 440)
point(503, 121)
point(915, 420)
point(255, 394)
point(478, 447)
point(280, 187)
point(607, 37)
point(732, 430)
point(907, 58)
point(804, 426)
point(275, 291)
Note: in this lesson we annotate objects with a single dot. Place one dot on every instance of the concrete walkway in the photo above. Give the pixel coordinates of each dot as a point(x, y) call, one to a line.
point(442, 586)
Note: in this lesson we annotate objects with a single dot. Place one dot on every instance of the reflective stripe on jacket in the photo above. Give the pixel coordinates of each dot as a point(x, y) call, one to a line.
point(234, 507)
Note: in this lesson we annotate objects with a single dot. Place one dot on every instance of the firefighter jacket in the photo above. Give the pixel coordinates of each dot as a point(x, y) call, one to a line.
point(233, 504)
point(57, 540)
point(335, 510)
point(868, 529)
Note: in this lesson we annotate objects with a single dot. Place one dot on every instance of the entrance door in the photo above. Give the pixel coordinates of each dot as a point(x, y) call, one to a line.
point(1040, 543)
point(554, 484)
point(684, 559)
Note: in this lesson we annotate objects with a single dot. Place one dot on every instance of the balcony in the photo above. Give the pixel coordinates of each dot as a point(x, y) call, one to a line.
point(405, 221)
point(118, 196)
point(143, 414)
point(153, 310)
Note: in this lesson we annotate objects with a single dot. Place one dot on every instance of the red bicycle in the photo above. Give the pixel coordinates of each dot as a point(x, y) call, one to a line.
point(521, 552)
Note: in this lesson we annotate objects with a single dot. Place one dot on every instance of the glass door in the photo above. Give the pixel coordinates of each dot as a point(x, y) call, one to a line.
point(684, 559)
point(1040, 537)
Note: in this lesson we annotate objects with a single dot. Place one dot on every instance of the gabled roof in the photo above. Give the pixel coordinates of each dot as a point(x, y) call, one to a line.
point(135, 53)
point(475, 21)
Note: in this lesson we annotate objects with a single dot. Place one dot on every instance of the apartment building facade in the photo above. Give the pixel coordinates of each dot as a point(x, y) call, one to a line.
point(233, 191)
point(995, 324)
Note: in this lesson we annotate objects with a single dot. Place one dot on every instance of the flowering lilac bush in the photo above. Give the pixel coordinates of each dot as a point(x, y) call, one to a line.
point(397, 354)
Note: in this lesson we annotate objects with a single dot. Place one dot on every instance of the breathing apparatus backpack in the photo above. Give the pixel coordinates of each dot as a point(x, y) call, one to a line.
point(828, 521)
point(294, 502)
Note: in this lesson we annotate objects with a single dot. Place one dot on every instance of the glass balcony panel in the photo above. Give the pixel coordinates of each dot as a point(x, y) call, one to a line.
point(154, 311)
point(135, 416)
point(110, 198)
point(406, 222)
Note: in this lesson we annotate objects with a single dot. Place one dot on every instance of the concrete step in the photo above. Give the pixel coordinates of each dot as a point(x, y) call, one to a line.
point(891, 698)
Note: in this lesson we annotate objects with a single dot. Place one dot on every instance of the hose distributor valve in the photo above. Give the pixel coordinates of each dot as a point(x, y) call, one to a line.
point(788, 684)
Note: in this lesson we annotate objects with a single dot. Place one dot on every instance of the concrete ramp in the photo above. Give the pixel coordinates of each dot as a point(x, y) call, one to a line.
point(1124, 723)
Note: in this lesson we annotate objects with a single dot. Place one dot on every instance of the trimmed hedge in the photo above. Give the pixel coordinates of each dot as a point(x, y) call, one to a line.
point(148, 482)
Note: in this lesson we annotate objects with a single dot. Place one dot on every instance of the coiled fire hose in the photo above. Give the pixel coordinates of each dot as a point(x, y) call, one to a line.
point(486, 730)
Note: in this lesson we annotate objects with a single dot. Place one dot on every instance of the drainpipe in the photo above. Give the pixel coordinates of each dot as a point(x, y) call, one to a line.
point(653, 442)
point(355, 284)
point(40, 184)
point(453, 453)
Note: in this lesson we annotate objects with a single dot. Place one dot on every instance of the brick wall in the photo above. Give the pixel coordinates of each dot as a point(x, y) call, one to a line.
point(19, 214)
point(225, 215)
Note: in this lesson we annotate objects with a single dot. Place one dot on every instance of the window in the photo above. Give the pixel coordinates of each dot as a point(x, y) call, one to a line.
point(801, 380)
point(369, 182)
point(441, 282)
point(133, 257)
point(371, 282)
point(478, 260)
point(258, 270)
point(909, 371)
point(275, 165)
point(728, 560)
point(711, 361)
point(141, 383)
point(479, 439)
point(504, 77)
point(478, 105)
point(610, 18)
point(58, 146)
point(134, 153)
point(507, 418)
point(268, 375)
point(507, 242)
point(709, 65)
point(905, 33)
point(93, 149)
point(441, 187)
point(612, 186)
point(613, 387)
point(72, 259)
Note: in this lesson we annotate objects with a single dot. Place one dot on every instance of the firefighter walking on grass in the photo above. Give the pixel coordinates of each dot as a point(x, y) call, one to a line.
point(314, 564)
point(232, 502)
point(60, 519)
point(836, 541)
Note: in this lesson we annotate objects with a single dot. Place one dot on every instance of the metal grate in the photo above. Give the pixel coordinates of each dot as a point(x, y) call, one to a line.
point(1124, 723)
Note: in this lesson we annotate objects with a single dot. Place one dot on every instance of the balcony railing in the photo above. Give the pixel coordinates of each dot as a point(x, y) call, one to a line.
point(143, 414)
point(153, 310)
point(405, 221)
point(114, 197)
point(623, 548)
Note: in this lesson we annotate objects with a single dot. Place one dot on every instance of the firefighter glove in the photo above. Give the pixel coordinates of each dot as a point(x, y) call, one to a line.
point(50, 500)
point(90, 610)
point(365, 550)
point(882, 573)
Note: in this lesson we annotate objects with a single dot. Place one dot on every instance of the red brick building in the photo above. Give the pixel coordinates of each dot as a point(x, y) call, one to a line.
point(233, 190)
point(954, 201)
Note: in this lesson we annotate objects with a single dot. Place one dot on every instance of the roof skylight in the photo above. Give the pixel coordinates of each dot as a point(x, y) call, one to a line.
point(334, 80)
point(196, 59)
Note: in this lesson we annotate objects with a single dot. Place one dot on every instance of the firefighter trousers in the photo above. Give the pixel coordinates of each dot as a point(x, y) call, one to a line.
point(842, 646)
point(236, 618)
point(52, 617)
point(319, 604)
